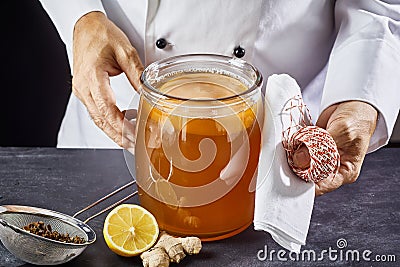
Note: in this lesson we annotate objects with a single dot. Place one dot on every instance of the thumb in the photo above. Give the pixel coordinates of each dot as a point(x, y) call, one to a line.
point(301, 157)
point(325, 116)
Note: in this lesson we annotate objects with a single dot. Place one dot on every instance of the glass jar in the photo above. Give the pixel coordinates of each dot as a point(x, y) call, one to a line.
point(198, 143)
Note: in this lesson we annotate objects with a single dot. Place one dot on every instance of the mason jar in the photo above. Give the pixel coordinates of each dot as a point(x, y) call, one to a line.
point(198, 137)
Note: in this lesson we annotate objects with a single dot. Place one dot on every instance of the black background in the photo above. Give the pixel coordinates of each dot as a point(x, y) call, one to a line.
point(36, 80)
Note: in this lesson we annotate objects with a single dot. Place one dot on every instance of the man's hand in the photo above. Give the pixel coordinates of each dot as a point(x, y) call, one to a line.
point(351, 125)
point(101, 50)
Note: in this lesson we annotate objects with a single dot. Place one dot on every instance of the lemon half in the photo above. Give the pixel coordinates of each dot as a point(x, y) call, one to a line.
point(130, 230)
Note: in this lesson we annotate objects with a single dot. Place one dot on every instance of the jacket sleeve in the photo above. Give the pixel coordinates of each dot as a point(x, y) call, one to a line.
point(65, 14)
point(365, 60)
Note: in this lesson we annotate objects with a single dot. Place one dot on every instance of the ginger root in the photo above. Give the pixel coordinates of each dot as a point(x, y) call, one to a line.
point(170, 249)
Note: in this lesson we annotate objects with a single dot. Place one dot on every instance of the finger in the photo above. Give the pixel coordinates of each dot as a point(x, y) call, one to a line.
point(120, 139)
point(301, 157)
point(130, 63)
point(130, 118)
point(85, 97)
point(104, 99)
point(130, 114)
point(128, 129)
point(99, 120)
point(350, 168)
point(329, 184)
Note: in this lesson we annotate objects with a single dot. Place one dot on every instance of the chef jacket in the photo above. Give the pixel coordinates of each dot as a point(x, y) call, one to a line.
point(336, 50)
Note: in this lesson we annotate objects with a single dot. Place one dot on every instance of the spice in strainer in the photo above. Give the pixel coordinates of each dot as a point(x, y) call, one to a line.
point(45, 230)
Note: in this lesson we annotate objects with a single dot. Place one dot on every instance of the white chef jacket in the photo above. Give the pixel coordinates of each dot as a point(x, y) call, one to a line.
point(336, 50)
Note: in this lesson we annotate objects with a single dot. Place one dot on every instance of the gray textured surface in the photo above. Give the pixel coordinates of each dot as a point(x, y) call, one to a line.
point(366, 214)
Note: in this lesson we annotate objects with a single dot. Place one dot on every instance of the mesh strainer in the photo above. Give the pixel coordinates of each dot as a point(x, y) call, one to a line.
point(38, 250)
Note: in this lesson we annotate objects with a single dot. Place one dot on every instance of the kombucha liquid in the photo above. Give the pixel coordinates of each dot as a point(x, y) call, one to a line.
point(232, 212)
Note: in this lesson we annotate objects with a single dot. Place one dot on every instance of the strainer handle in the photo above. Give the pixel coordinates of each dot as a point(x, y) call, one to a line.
point(106, 197)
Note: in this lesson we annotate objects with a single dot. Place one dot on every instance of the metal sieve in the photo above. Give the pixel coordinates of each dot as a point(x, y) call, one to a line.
point(39, 250)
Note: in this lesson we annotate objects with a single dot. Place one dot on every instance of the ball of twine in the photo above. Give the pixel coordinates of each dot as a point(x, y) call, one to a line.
point(324, 155)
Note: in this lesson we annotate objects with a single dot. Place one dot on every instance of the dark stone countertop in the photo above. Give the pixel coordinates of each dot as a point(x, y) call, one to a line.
point(365, 214)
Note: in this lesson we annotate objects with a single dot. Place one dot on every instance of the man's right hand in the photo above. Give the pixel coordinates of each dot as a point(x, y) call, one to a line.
point(101, 50)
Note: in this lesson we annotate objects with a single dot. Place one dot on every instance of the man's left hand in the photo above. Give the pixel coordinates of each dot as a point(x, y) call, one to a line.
point(351, 125)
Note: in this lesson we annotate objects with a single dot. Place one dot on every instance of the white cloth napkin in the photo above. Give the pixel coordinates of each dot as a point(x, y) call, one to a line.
point(284, 202)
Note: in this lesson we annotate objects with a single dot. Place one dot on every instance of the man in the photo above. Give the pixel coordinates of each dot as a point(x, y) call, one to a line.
point(342, 53)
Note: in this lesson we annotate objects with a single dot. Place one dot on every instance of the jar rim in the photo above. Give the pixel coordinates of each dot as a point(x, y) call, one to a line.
point(201, 57)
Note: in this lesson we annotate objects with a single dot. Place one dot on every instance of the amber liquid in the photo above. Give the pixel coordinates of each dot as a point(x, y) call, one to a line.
point(224, 204)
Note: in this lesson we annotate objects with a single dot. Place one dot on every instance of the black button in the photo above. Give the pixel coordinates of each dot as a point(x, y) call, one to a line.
point(239, 51)
point(161, 43)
